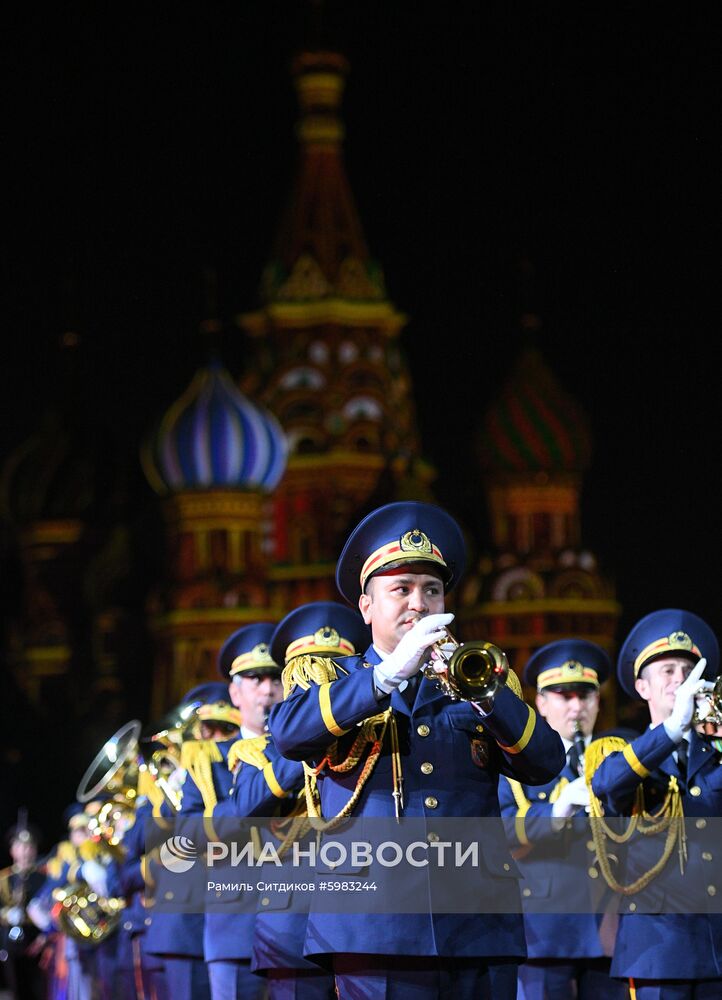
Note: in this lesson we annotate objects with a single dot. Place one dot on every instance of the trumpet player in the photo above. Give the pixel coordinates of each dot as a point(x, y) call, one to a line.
point(569, 953)
point(425, 756)
point(668, 771)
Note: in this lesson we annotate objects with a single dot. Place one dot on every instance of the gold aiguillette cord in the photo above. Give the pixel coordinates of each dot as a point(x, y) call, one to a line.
point(398, 780)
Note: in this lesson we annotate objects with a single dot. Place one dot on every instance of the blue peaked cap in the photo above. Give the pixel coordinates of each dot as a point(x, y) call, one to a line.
point(670, 632)
point(399, 534)
point(246, 651)
point(568, 662)
point(324, 628)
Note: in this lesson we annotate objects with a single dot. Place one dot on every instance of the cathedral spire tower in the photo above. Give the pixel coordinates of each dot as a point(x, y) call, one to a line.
point(328, 363)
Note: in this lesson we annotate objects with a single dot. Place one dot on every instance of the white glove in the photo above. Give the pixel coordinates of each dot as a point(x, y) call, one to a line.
point(95, 875)
point(13, 916)
point(680, 719)
point(39, 914)
point(572, 798)
point(405, 661)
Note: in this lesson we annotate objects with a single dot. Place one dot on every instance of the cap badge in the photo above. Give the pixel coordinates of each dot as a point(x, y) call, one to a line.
point(572, 668)
point(416, 541)
point(327, 636)
point(680, 640)
point(260, 653)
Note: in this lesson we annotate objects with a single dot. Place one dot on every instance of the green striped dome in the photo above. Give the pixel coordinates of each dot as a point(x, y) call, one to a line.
point(534, 425)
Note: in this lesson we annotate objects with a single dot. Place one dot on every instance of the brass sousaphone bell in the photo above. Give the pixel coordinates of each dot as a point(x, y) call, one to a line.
point(473, 670)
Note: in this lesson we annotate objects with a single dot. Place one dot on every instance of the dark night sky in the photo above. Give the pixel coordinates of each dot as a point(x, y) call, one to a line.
point(143, 145)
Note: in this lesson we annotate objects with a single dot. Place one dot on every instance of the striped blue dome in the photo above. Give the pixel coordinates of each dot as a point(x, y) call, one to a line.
point(214, 437)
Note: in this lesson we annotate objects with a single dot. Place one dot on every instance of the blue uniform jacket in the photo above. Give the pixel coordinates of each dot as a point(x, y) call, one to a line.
point(462, 756)
point(555, 866)
point(268, 790)
point(668, 945)
point(197, 935)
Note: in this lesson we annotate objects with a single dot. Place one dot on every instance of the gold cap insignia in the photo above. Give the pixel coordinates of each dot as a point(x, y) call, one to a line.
point(327, 636)
point(572, 669)
point(416, 541)
point(680, 640)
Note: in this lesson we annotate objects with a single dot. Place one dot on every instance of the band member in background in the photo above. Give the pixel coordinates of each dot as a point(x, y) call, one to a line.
point(175, 936)
point(569, 953)
point(426, 756)
point(21, 942)
point(668, 772)
point(267, 784)
point(254, 686)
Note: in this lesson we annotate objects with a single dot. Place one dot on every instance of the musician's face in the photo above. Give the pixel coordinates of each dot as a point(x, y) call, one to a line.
point(253, 696)
point(393, 603)
point(563, 709)
point(23, 853)
point(657, 683)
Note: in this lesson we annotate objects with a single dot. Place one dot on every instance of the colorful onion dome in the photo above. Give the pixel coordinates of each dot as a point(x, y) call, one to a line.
point(51, 475)
point(214, 437)
point(534, 425)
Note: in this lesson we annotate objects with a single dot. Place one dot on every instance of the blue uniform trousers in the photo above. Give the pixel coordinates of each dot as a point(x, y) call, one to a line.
point(702, 989)
point(564, 979)
point(233, 980)
point(396, 977)
point(186, 978)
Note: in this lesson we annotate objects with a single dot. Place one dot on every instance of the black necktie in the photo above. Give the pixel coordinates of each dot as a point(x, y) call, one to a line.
point(573, 758)
point(409, 692)
point(682, 751)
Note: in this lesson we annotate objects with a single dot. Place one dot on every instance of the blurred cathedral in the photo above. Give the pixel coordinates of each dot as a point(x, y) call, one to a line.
point(258, 483)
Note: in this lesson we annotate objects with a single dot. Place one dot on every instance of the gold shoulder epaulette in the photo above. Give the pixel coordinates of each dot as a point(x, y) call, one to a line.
point(192, 751)
point(249, 751)
point(514, 684)
point(197, 757)
point(305, 670)
point(597, 751)
point(64, 854)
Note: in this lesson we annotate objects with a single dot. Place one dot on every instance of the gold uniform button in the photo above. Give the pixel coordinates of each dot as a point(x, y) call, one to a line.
point(706, 856)
point(590, 845)
point(427, 767)
point(592, 873)
point(147, 921)
point(431, 802)
point(169, 895)
point(542, 795)
point(695, 790)
point(127, 926)
point(265, 901)
point(526, 892)
point(507, 867)
point(632, 907)
point(423, 729)
point(480, 728)
point(701, 824)
point(711, 890)
point(433, 838)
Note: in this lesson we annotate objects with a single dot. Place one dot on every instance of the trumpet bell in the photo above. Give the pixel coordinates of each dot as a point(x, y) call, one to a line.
point(708, 706)
point(473, 670)
point(476, 670)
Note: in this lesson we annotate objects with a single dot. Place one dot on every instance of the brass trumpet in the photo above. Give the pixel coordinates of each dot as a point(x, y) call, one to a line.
point(708, 707)
point(474, 670)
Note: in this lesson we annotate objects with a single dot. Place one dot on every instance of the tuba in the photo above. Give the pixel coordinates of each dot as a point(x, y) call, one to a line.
point(473, 670)
point(84, 915)
point(114, 769)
